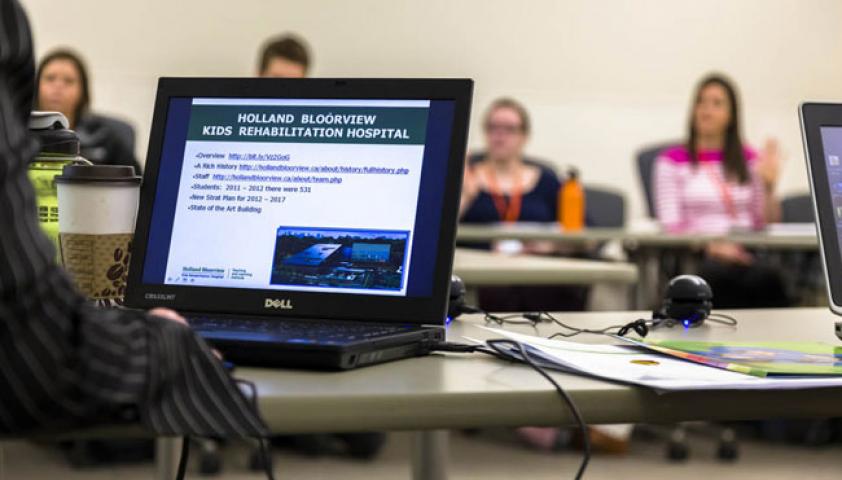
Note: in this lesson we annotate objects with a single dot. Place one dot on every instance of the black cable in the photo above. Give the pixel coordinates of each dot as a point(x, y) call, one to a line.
point(512, 319)
point(577, 415)
point(573, 330)
point(492, 347)
point(263, 450)
point(182, 462)
point(266, 458)
point(640, 326)
point(723, 319)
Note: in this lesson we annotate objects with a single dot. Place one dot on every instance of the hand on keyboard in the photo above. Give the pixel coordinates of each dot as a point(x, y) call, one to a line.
point(174, 316)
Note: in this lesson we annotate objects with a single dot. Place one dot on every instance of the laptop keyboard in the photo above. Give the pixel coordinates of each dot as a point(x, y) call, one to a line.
point(290, 331)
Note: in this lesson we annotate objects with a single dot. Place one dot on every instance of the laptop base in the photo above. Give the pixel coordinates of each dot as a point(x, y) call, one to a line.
point(312, 344)
point(273, 356)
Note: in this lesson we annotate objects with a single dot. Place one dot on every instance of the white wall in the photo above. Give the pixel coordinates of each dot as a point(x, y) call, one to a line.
point(601, 78)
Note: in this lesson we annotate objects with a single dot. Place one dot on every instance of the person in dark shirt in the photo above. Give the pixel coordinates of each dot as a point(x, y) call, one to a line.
point(539, 204)
point(501, 185)
point(63, 363)
point(63, 86)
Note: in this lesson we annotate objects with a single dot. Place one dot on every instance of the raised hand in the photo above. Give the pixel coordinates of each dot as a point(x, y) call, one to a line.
point(769, 163)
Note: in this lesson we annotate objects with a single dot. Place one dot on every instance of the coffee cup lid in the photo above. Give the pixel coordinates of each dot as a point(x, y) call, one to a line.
point(98, 174)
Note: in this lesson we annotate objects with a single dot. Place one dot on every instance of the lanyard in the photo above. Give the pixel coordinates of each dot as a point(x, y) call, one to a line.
point(724, 192)
point(509, 211)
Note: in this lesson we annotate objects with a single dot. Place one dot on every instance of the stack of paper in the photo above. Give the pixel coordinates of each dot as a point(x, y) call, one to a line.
point(635, 365)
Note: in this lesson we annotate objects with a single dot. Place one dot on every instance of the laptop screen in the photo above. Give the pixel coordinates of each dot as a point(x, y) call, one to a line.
point(317, 195)
point(832, 147)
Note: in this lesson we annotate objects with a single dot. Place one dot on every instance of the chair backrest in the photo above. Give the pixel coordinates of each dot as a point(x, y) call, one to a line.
point(797, 209)
point(605, 207)
point(645, 158)
point(477, 157)
point(123, 130)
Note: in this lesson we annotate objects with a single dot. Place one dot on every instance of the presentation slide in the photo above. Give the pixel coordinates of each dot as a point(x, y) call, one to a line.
point(315, 195)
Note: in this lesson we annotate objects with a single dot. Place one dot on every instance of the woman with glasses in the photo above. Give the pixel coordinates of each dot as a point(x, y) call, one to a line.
point(499, 185)
point(502, 185)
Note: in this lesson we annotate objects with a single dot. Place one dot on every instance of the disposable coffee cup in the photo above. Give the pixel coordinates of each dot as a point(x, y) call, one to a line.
point(97, 213)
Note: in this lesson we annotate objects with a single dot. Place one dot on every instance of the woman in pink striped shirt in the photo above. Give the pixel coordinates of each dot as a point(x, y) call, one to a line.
point(715, 184)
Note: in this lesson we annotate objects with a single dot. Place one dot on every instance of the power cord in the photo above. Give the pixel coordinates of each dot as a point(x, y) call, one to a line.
point(723, 319)
point(641, 326)
point(511, 319)
point(265, 458)
point(263, 450)
point(533, 319)
point(185, 455)
point(501, 348)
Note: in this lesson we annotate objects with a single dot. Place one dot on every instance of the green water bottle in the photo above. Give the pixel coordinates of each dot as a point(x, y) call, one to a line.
point(59, 147)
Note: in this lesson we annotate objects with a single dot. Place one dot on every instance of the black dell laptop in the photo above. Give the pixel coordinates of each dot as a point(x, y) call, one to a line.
point(305, 223)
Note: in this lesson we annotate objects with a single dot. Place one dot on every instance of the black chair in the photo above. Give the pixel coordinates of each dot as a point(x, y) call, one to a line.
point(605, 208)
point(645, 159)
point(103, 136)
point(797, 209)
point(806, 283)
point(122, 129)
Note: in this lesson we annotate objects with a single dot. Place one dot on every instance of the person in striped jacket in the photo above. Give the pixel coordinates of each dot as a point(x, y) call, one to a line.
point(716, 184)
point(63, 363)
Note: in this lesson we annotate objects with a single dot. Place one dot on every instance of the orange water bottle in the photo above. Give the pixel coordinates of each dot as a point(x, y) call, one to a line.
point(571, 203)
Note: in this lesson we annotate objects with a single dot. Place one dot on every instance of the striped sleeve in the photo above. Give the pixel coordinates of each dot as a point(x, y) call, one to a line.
point(667, 186)
point(63, 363)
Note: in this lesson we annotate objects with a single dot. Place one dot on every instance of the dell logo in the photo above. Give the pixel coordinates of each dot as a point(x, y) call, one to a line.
point(283, 304)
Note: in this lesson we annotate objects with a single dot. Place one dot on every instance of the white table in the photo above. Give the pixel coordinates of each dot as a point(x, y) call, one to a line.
point(644, 247)
point(483, 268)
point(445, 391)
point(782, 240)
